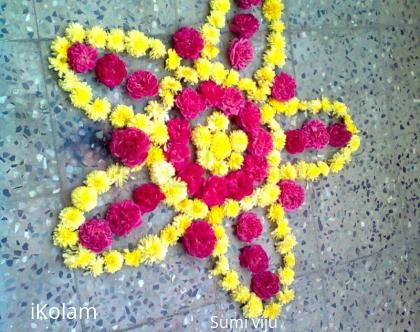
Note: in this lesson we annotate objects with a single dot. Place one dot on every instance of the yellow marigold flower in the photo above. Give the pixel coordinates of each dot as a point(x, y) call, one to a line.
point(157, 48)
point(230, 281)
point(340, 108)
point(286, 295)
point(59, 65)
point(273, 175)
point(312, 171)
point(287, 244)
point(210, 51)
point(96, 36)
point(326, 104)
point(168, 98)
point(337, 163)
point(216, 215)
point(281, 230)
point(59, 47)
point(354, 143)
point(315, 106)
point(274, 57)
point(221, 266)
point(267, 113)
point(182, 222)
point(246, 84)
point(265, 74)
point(99, 181)
point(272, 310)
point(206, 159)
point(232, 78)
point(140, 121)
point(170, 83)
point(121, 116)
point(173, 61)
point(219, 231)
point(272, 9)
point(231, 208)
point(248, 203)
point(289, 260)
point(156, 110)
point(184, 206)
point(217, 19)
point(274, 158)
point(187, 74)
point(277, 26)
point(81, 95)
point(221, 6)
point(71, 218)
point(238, 140)
point(153, 249)
point(210, 33)
point(99, 109)
point(97, 267)
point(241, 294)
point(235, 161)
point(118, 174)
point(220, 168)
point(161, 172)
point(84, 198)
point(136, 43)
point(201, 137)
point(221, 247)
point(68, 81)
point(113, 261)
point(132, 258)
point(83, 258)
point(277, 40)
point(279, 139)
point(203, 68)
point(288, 172)
point(291, 107)
point(219, 72)
point(301, 169)
point(198, 209)
point(350, 126)
point(217, 121)
point(158, 132)
point(115, 40)
point(155, 155)
point(220, 145)
point(170, 235)
point(276, 213)
point(64, 237)
point(268, 194)
point(287, 275)
point(254, 307)
point(324, 169)
point(175, 191)
point(75, 32)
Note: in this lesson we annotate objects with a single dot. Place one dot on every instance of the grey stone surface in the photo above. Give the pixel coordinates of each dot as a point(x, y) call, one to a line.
point(357, 258)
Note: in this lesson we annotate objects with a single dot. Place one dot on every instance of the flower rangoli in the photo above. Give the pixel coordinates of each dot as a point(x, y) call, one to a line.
point(223, 168)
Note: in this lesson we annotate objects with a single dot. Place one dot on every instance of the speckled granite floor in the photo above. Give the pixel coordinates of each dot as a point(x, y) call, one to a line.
point(358, 262)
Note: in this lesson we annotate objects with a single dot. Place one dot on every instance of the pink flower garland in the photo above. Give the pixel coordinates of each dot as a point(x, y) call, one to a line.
point(123, 217)
point(248, 227)
point(81, 57)
point(130, 145)
point(95, 234)
point(199, 239)
point(241, 53)
point(188, 43)
point(110, 70)
point(142, 83)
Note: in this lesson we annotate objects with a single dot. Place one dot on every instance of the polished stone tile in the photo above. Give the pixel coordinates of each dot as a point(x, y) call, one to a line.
point(329, 14)
point(20, 68)
point(28, 161)
point(398, 12)
point(401, 53)
point(368, 294)
point(54, 16)
point(32, 269)
point(406, 162)
point(17, 19)
point(194, 320)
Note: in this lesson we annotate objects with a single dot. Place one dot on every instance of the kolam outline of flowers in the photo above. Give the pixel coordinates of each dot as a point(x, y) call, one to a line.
point(153, 248)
